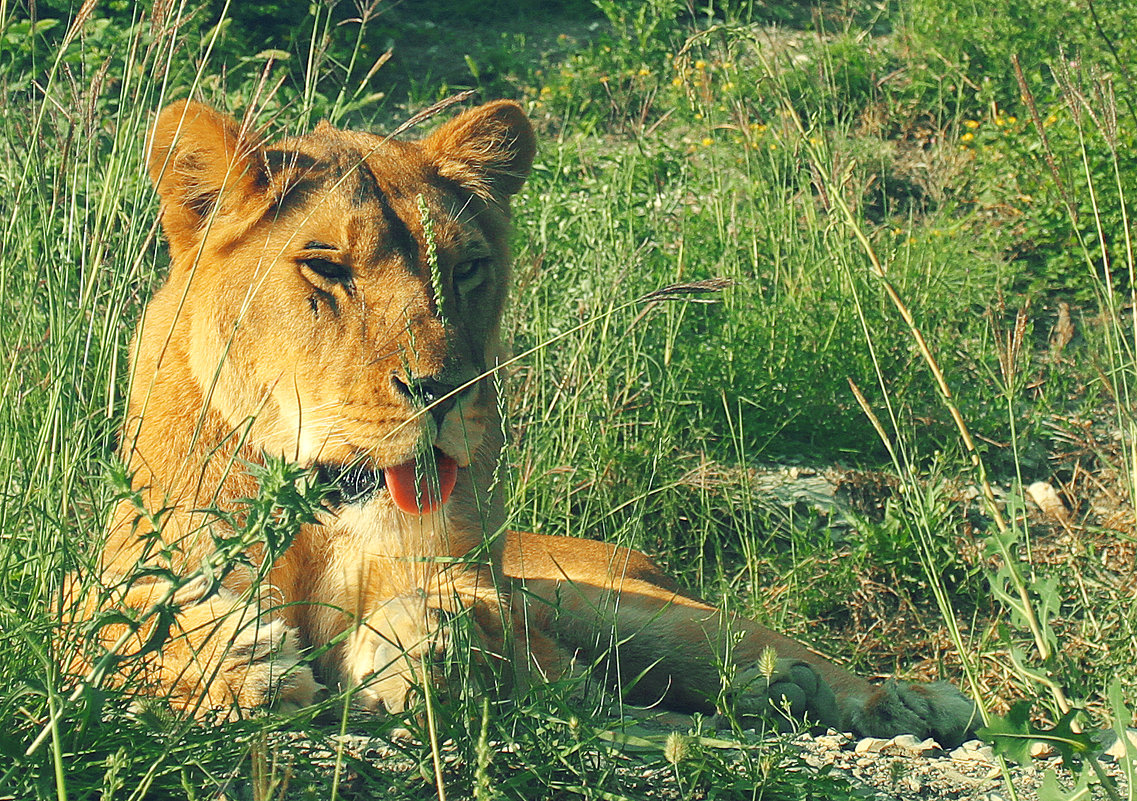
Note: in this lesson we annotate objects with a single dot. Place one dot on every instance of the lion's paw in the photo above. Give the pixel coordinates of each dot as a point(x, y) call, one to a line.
point(390, 655)
point(937, 710)
point(793, 693)
point(228, 657)
point(263, 667)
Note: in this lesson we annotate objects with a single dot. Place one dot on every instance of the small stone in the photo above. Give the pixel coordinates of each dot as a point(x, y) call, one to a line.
point(870, 745)
point(1114, 747)
point(929, 748)
point(973, 751)
point(1042, 750)
point(908, 742)
point(1048, 501)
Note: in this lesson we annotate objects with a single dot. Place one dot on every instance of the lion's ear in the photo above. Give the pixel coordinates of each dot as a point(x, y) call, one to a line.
point(201, 166)
point(488, 150)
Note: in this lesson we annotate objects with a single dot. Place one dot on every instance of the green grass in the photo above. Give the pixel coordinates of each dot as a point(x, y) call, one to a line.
point(818, 168)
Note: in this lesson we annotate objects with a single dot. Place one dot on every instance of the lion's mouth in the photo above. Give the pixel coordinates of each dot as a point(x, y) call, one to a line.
point(418, 486)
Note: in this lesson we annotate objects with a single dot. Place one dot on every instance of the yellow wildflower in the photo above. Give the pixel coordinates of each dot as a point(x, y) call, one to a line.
point(967, 137)
point(700, 65)
point(972, 124)
point(707, 141)
point(644, 71)
point(676, 81)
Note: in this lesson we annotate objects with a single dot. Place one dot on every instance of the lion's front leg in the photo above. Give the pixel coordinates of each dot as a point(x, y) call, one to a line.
point(393, 651)
point(221, 653)
point(787, 691)
point(413, 632)
point(469, 637)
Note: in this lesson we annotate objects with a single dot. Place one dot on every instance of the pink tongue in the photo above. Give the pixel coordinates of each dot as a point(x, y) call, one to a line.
point(420, 489)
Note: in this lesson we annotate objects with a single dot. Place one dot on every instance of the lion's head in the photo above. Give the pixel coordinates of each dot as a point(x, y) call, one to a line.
point(333, 298)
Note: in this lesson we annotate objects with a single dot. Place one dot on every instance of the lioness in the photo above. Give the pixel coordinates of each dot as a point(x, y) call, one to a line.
point(335, 299)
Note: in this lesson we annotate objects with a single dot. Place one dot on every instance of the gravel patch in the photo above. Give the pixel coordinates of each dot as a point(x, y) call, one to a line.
point(903, 768)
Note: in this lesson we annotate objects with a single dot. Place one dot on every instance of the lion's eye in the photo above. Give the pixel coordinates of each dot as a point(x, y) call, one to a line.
point(327, 269)
point(469, 275)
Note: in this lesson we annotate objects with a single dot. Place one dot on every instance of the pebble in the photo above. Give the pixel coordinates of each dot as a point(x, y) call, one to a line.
point(910, 742)
point(833, 739)
point(870, 745)
point(974, 751)
point(1048, 500)
point(1115, 748)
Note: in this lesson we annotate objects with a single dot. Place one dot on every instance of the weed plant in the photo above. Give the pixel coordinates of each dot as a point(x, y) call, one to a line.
point(919, 271)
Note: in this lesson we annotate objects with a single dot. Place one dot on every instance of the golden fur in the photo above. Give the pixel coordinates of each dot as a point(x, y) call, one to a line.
point(302, 318)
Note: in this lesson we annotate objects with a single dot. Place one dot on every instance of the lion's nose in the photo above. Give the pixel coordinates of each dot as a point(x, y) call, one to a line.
point(437, 396)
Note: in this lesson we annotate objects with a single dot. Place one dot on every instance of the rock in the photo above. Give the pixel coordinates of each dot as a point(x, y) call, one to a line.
point(916, 746)
point(1114, 748)
point(870, 745)
point(974, 751)
point(909, 742)
point(1048, 501)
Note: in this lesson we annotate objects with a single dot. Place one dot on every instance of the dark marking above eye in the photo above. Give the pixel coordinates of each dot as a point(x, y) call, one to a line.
point(344, 169)
point(366, 186)
point(401, 237)
point(314, 305)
